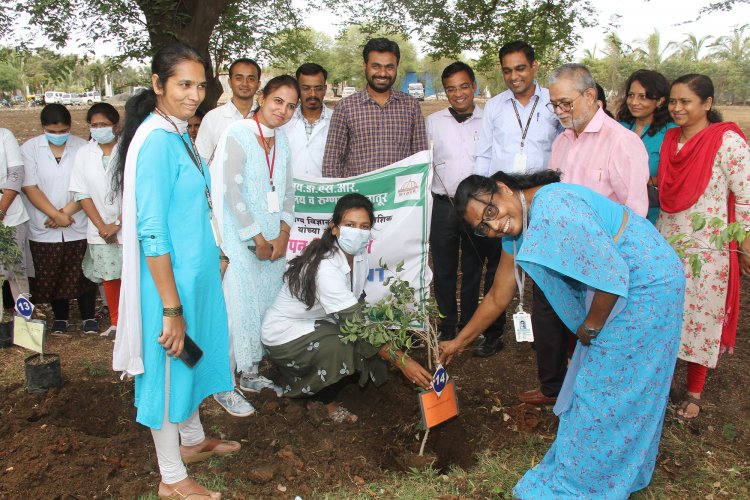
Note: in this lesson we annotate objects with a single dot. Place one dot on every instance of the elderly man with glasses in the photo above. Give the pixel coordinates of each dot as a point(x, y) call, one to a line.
point(593, 152)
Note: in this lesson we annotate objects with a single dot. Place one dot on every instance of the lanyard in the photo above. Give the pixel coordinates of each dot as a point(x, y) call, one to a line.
point(520, 275)
point(193, 156)
point(524, 131)
point(270, 162)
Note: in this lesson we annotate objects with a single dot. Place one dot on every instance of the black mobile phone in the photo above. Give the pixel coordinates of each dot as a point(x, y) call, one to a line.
point(191, 353)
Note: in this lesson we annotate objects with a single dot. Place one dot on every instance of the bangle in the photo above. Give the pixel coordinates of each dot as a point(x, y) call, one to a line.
point(173, 311)
point(284, 231)
point(224, 258)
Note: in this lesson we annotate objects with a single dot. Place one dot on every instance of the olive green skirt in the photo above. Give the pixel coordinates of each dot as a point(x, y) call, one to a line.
point(320, 358)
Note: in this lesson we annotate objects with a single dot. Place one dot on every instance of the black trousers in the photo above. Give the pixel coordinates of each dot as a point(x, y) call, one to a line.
point(451, 244)
point(551, 340)
point(86, 306)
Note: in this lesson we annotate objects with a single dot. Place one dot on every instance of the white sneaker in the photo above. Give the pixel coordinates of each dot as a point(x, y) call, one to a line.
point(256, 383)
point(234, 403)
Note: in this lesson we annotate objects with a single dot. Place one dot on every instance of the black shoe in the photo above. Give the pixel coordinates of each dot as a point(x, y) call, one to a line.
point(489, 347)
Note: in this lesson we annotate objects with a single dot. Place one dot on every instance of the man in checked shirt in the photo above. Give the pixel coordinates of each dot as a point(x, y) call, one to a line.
point(378, 125)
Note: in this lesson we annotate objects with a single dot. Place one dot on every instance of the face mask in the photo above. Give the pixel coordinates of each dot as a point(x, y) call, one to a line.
point(103, 135)
point(57, 139)
point(353, 241)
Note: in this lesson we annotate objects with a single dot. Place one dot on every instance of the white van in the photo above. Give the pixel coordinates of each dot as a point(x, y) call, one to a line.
point(53, 97)
point(90, 97)
point(416, 90)
point(348, 91)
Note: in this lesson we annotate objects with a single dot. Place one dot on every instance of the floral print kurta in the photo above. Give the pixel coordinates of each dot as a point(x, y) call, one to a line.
point(706, 293)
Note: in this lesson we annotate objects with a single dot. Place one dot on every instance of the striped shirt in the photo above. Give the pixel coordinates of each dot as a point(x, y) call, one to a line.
point(363, 136)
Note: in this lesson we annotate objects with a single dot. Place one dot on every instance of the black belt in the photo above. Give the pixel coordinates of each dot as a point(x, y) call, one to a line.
point(443, 197)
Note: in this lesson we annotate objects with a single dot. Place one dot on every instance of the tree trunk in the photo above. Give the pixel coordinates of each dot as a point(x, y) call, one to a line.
point(187, 21)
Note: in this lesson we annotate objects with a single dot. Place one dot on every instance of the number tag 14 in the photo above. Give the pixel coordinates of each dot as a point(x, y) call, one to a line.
point(439, 379)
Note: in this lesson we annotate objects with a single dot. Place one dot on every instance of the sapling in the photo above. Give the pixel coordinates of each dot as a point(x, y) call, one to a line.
point(397, 320)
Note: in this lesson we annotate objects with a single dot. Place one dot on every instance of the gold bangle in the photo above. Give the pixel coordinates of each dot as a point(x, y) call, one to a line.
point(172, 312)
point(284, 231)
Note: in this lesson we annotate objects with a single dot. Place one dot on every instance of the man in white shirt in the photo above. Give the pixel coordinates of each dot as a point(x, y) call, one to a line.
point(307, 131)
point(517, 136)
point(244, 80)
point(518, 129)
point(454, 133)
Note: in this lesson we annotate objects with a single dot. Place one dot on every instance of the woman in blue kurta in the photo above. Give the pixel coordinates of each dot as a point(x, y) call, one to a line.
point(644, 111)
point(253, 168)
point(617, 283)
point(171, 285)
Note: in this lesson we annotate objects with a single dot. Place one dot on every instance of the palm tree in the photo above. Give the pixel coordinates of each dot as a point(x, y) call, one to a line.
point(650, 53)
point(691, 46)
point(733, 53)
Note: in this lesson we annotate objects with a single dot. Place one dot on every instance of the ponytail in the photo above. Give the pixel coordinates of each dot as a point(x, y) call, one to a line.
point(137, 110)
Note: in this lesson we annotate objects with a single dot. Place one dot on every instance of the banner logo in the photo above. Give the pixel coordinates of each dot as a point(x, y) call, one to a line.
point(408, 187)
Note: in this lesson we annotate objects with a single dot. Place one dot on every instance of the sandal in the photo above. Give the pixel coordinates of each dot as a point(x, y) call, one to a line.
point(341, 415)
point(182, 492)
point(683, 406)
point(210, 447)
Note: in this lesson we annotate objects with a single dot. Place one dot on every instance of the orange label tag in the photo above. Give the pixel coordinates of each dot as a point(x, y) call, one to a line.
point(436, 410)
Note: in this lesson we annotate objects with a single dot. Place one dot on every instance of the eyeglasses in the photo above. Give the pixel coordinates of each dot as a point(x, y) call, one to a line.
point(490, 213)
point(316, 88)
point(564, 106)
point(463, 88)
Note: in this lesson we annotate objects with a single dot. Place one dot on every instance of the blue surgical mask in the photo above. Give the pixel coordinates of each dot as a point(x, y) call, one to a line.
point(57, 139)
point(103, 135)
point(352, 240)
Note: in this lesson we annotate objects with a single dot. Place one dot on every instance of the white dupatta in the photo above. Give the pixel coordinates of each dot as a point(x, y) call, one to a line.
point(128, 352)
point(217, 166)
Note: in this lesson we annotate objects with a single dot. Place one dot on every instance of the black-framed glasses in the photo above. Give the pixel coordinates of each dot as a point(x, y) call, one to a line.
point(564, 106)
point(490, 213)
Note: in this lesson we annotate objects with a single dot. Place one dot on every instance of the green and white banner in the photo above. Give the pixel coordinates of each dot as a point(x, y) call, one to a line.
point(400, 194)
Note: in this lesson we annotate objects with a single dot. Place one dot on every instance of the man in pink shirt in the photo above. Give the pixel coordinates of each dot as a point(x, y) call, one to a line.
point(597, 152)
point(594, 150)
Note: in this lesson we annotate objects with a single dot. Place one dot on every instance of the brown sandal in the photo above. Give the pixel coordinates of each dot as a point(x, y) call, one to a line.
point(683, 406)
point(210, 447)
point(176, 494)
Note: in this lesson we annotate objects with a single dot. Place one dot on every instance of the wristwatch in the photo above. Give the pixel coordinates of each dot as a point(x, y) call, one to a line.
point(587, 334)
point(591, 332)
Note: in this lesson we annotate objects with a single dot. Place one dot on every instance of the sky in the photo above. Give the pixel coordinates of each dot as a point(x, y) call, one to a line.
point(637, 19)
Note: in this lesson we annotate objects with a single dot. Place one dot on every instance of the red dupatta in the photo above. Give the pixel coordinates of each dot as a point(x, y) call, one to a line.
point(683, 177)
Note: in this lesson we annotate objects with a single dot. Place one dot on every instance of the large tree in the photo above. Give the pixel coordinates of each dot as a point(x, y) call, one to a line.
point(138, 27)
point(449, 28)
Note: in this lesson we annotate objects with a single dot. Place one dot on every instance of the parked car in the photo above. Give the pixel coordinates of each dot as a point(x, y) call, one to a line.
point(53, 96)
point(416, 90)
point(66, 99)
point(90, 97)
point(348, 91)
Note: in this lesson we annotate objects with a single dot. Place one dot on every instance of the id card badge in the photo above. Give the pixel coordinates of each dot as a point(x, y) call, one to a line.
point(215, 228)
point(519, 163)
point(522, 326)
point(272, 198)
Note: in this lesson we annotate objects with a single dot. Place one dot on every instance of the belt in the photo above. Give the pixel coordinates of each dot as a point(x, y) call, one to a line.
point(443, 197)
